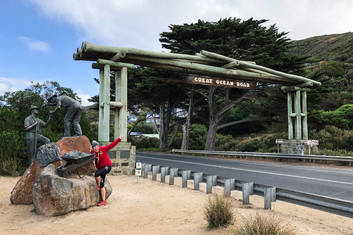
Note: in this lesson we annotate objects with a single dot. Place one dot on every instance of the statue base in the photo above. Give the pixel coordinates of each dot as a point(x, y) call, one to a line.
point(123, 157)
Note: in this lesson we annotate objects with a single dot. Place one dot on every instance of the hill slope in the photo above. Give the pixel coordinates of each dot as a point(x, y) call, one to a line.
point(337, 47)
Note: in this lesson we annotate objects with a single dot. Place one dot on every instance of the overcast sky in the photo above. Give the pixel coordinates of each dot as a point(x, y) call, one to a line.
point(38, 37)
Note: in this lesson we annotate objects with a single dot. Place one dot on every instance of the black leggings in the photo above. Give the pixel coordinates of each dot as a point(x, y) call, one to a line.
point(102, 172)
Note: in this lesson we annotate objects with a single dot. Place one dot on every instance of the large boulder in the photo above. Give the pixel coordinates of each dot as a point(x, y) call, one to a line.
point(54, 195)
point(78, 143)
point(22, 192)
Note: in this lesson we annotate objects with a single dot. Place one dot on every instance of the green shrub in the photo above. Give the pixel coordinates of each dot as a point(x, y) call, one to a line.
point(145, 142)
point(218, 212)
point(261, 225)
point(198, 135)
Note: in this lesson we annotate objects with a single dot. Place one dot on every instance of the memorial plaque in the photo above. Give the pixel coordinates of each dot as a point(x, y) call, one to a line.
point(212, 81)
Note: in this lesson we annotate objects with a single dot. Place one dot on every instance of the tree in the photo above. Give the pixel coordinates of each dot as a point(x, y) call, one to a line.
point(244, 40)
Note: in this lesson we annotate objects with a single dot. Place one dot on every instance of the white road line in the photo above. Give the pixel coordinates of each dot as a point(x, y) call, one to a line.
point(254, 171)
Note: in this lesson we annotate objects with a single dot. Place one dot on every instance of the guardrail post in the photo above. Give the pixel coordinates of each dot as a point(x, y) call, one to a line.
point(175, 171)
point(214, 180)
point(164, 171)
point(184, 179)
point(155, 171)
point(247, 189)
point(209, 183)
point(228, 186)
point(148, 168)
point(197, 179)
point(267, 198)
point(171, 175)
point(273, 198)
point(188, 174)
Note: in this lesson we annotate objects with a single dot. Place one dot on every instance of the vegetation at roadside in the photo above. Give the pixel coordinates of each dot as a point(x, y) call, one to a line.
point(263, 225)
point(218, 212)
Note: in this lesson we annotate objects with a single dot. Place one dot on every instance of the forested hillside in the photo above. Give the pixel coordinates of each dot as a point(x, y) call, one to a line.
point(338, 47)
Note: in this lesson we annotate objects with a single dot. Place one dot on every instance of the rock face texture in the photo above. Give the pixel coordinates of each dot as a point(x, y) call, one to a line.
point(78, 143)
point(54, 195)
point(22, 192)
point(47, 154)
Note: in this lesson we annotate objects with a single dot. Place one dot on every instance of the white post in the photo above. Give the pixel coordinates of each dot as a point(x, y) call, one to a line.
point(101, 104)
point(123, 109)
point(117, 99)
point(106, 112)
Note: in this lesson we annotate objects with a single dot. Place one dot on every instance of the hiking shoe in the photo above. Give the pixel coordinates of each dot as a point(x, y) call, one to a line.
point(102, 203)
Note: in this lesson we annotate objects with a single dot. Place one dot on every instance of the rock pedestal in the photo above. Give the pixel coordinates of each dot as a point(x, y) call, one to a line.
point(54, 195)
point(22, 192)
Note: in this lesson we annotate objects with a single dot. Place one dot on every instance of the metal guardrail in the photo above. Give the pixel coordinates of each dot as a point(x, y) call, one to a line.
point(309, 198)
point(268, 155)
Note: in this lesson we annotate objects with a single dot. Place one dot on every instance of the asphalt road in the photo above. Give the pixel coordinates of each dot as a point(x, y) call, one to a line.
point(327, 181)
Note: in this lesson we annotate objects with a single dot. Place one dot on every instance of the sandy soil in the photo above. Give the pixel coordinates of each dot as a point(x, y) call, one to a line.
point(150, 207)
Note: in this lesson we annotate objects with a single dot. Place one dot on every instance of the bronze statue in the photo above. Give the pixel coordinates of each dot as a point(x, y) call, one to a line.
point(33, 126)
point(73, 115)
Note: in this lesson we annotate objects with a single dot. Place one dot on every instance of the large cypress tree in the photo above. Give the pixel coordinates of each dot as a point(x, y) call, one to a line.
point(244, 40)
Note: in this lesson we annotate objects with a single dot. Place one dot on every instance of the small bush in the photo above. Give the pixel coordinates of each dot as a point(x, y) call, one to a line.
point(261, 225)
point(218, 212)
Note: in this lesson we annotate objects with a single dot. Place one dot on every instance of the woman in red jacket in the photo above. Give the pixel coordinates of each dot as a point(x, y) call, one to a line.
point(103, 165)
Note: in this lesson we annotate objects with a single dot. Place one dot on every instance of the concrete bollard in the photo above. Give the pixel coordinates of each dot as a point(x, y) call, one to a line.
point(184, 179)
point(209, 184)
point(228, 186)
point(247, 189)
point(197, 179)
point(171, 176)
point(164, 171)
point(155, 171)
point(267, 198)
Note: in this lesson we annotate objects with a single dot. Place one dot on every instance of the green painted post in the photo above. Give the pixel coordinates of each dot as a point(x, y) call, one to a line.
point(298, 133)
point(123, 110)
point(100, 104)
point(290, 108)
point(106, 111)
point(305, 118)
point(117, 99)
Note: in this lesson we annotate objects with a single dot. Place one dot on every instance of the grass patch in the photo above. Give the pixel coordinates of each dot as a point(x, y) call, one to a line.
point(218, 212)
point(263, 225)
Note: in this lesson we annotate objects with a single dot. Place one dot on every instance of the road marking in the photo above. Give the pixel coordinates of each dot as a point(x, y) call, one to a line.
point(254, 171)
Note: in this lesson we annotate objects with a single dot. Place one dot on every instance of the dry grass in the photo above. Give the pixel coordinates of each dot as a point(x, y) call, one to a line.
point(218, 212)
point(261, 225)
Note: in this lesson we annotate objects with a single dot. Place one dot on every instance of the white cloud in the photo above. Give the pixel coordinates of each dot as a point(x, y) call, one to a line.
point(138, 23)
point(13, 84)
point(84, 98)
point(35, 45)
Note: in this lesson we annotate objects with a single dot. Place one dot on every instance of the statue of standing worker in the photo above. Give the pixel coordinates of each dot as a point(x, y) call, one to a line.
point(73, 115)
point(33, 126)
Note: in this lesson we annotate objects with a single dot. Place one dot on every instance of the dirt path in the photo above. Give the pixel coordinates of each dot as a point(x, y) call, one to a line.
point(150, 207)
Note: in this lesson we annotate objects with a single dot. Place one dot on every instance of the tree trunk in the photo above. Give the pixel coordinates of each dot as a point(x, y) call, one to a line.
point(213, 120)
point(164, 115)
point(175, 132)
point(187, 125)
point(211, 136)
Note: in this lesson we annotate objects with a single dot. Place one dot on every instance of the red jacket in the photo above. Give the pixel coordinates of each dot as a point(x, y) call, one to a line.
point(101, 157)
